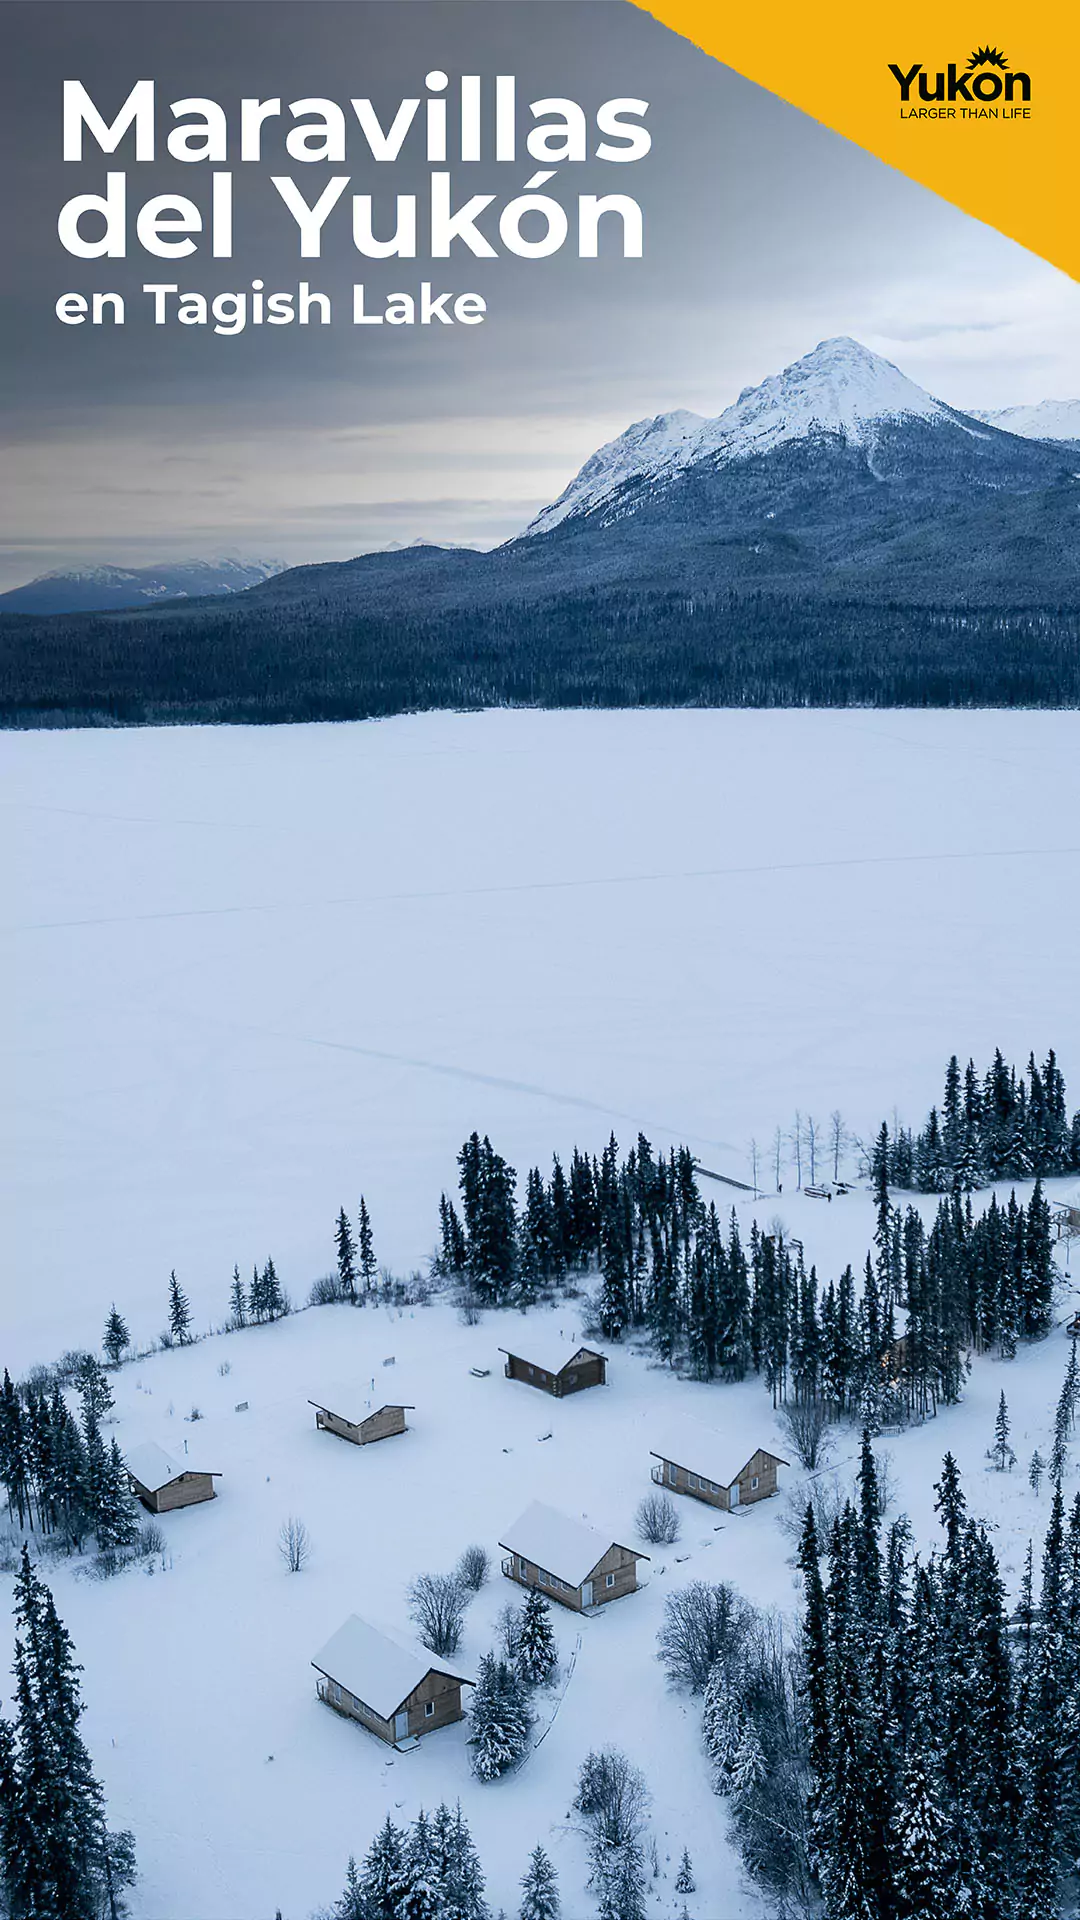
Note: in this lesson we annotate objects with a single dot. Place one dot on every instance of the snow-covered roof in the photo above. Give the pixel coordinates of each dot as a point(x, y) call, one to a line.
point(376, 1666)
point(351, 1403)
point(544, 1353)
point(560, 1545)
point(697, 1448)
point(153, 1468)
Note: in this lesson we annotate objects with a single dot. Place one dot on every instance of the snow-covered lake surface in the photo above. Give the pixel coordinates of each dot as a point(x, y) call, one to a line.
point(251, 973)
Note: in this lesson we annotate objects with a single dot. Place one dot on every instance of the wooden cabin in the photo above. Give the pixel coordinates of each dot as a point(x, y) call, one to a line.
point(688, 1463)
point(1072, 1327)
point(1066, 1217)
point(162, 1483)
point(372, 1426)
point(554, 1373)
point(389, 1685)
point(569, 1561)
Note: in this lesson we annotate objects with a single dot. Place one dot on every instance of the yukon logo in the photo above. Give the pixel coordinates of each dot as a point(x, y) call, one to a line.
point(983, 88)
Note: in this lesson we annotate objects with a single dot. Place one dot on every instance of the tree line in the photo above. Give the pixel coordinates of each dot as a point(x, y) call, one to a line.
point(669, 1268)
point(255, 660)
point(997, 1125)
point(59, 1476)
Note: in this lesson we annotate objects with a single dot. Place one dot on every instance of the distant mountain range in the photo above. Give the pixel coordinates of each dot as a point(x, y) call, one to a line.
point(98, 589)
point(822, 504)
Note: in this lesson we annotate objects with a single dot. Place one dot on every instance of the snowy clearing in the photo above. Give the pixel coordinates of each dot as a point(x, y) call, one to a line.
point(255, 972)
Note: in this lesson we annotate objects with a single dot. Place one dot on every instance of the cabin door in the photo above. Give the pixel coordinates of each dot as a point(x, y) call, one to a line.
point(733, 1495)
point(586, 1593)
point(401, 1726)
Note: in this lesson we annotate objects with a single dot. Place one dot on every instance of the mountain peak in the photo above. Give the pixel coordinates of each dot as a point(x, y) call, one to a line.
point(840, 388)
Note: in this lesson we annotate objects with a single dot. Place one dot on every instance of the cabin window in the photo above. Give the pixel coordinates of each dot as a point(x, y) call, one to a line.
point(335, 1691)
point(543, 1376)
point(359, 1705)
point(609, 1580)
point(541, 1576)
point(523, 1566)
point(571, 1379)
point(691, 1479)
point(429, 1709)
point(753, 1483)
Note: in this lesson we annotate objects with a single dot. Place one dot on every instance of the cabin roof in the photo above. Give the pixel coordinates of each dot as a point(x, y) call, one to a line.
point(693, 1446)
point(375, 1665)
point(697, 1448)
point(551, 1358)
point(348, 1397)
point(153, 1468)
point(560, 1545)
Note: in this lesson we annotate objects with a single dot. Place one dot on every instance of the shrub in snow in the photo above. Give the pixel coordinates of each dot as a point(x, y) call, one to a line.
point(473, 1568)
point(685, 1882)
point(657, 1519)
point(702, 1624)
point(500, 1719)
point(294, 1544)
point(437, 1603)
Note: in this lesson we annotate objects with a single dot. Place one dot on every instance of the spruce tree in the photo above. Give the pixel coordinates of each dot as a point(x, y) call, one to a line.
point(179, 1312)
point(1001, 1452)
point(116, 1338)
point(685, 1882)
point(1036, 1471)
point(351, 1903)
point(54, 1841)
point(238, 1301)
point(382, 1873)
point(539, 1889)
point(369, 1265)
point(500, 1719)
point(346, 1257)
point(537, 1649)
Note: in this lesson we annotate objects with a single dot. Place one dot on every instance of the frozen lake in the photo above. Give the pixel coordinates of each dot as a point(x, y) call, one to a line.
point(250, 973)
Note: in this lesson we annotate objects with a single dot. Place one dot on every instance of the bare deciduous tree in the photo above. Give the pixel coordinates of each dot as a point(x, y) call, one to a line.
point(473, 1568)
point(806, 1423)
point(437, 1603)
point(813, 1143)
point(702, 1624)
point(795, 1142)
point(838, 1140)
point(294, 1544)
point(612, 1798)
point(657, 1519)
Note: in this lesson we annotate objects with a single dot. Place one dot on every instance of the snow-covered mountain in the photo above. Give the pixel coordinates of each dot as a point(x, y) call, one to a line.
point(99, 589)
point(1047, 420)
point(840, 389)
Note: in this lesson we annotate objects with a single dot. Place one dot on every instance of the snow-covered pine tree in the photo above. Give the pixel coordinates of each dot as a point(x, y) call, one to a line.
point(94, 1390)
point(536, 1646)
point(1001, 1452)
point(1036, 1471)
point(179, 1312)
point(500, 1719)
point(620, 1881)
point(684, 1879)
point(346, 1257)
point(539, 1889)
point(238, 1301)
point(418, 1892)
point(458, 1875)
point(381, 1876)
point(53, 1841)
point(116, 1524)
point(369, 1265)
point(351, 1903)
point(116, 1338)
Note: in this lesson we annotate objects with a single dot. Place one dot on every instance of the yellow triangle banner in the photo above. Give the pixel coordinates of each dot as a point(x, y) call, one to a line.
point(980, 102)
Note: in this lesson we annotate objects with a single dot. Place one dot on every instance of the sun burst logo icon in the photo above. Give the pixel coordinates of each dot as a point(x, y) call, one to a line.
point(987, 57)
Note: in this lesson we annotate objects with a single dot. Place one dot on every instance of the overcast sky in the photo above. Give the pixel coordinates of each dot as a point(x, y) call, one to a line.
point(764, 233)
